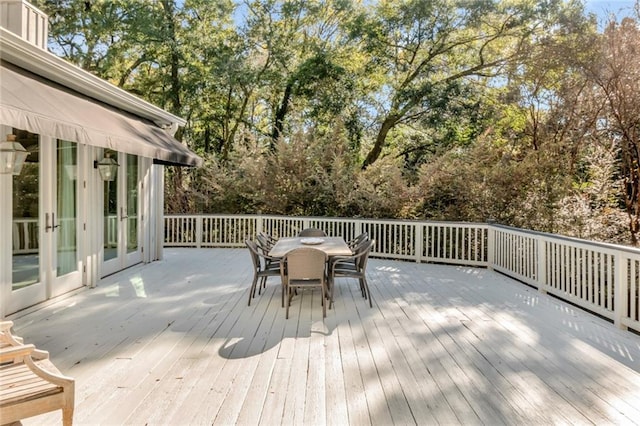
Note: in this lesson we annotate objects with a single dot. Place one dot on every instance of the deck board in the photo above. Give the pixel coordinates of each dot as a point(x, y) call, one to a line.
point(174, 342)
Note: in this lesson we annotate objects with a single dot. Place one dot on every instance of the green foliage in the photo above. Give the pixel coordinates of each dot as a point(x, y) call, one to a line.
point(513, 110)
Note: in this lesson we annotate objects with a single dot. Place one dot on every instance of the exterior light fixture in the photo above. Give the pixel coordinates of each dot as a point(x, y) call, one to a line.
point(108, 168)
point(12, 156)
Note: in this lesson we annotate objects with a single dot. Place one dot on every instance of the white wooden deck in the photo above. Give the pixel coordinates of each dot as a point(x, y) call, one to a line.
point(174, 342)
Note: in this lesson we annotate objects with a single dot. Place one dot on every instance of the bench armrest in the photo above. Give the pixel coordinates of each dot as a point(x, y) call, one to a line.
point(9, 339)
point(15, 353)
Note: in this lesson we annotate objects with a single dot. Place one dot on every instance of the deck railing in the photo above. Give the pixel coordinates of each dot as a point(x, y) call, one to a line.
point(26, 235)
point(602, 278)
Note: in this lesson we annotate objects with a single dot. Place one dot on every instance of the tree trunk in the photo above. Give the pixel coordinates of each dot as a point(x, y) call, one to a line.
point(631, 158)
point(174, 58)
point(278, 124)
point(388, 124)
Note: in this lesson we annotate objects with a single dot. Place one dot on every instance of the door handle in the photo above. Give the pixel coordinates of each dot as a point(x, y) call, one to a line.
point(53, 222)
point(122, 215)
point(53, 225)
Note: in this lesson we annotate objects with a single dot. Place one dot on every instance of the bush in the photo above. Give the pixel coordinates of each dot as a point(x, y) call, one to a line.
point(312, 175)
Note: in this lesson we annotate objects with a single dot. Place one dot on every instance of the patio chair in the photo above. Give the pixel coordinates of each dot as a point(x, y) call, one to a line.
point(263, 268)
point(355, 242)
point(354, 266)
point(265, 244)
point(266, 239)
point(312, 232)
point(356, 245)
point(306, 268)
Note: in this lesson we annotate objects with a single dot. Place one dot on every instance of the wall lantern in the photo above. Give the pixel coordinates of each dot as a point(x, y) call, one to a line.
point(12, 156)
point(108, 168)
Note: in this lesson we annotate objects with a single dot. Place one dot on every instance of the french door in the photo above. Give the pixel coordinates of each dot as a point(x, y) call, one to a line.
point(45, 228)
point(63, 226)
point(122, 216)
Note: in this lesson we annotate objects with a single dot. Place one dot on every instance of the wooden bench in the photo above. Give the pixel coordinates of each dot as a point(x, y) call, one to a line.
point(29, 383)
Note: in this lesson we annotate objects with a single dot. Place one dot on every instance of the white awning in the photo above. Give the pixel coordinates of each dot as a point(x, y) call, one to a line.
point(31, 103)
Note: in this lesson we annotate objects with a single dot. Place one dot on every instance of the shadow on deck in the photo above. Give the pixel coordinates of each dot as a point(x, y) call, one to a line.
point(174, 342)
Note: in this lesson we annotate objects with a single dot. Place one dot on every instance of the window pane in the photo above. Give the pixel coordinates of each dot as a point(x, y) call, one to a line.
point(26, 213)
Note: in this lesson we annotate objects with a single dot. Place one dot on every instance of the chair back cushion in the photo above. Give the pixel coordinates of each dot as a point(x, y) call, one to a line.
point(366, 249)
point(312, 232)
point(306, 263)
point(253, 250)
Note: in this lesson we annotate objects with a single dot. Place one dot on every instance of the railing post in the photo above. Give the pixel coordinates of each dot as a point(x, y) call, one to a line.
point(491, 243)
point(199, 231)
point(357, 229)
point(621, 290)
point(541, 264)
point(258, 225)
point(418, 243)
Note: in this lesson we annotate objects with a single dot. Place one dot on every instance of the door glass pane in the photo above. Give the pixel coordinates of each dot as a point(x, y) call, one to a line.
point(26, 213)
point(66, 171)
point(132, 203)
point(111, 216)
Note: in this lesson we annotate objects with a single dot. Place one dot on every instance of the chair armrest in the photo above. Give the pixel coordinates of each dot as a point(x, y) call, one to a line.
point(270, 258)
point(338, 259)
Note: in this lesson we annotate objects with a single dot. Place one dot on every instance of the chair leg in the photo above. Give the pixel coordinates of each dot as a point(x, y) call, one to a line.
point(324, 304)
point(252, 290)
point(284, 289)
point(362, 291)
point(331, 287)
point(368, 292)
point(288, 301)
point(261, 285)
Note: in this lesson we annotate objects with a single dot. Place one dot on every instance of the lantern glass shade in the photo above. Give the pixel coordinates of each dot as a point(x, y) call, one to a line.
point(108, 168)
point(12, 156)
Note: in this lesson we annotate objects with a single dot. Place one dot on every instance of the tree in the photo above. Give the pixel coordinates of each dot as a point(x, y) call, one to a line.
point(425, 51)
point(92, 35)
point(304, 66)
point(617, 79)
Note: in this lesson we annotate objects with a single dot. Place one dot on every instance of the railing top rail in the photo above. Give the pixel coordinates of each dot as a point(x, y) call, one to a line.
point(384, 220)
point(548, 236)
point(332, 218)
point(573, 240)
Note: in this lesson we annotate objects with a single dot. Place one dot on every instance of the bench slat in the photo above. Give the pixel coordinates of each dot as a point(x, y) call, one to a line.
point(17, 383)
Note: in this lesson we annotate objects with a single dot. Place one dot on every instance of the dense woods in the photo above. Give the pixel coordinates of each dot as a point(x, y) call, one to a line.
point(525, 112)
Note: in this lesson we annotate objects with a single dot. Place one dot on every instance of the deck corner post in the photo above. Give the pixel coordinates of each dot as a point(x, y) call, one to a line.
point(620, 288)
